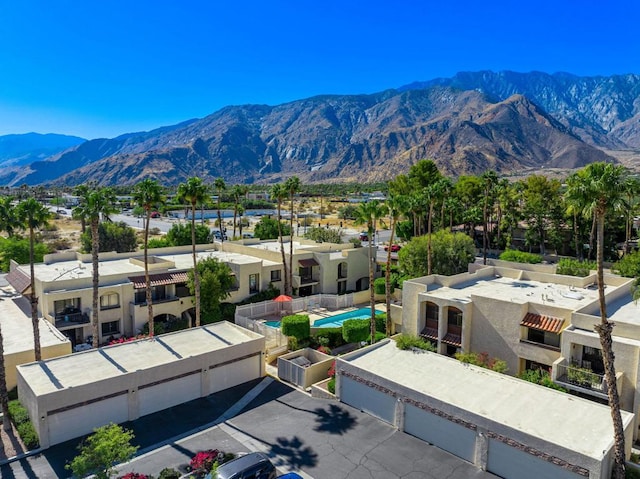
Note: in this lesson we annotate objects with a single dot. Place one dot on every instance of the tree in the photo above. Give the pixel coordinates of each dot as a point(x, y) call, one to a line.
point(433, 193)
point(220, 186)
point(18, 249)
point(216, 279)
point(490, 179)
point(119, 237)
point(369, 213)
point(267, 228)
point(292, 185)
point(452, 253)
point(279, 192)
point(323, 235)
point(148, 195)
point(33, 215)
point(8, 220)
point(180, 235)
point(102, 451)
point(597, 190)
point(542, 209)
point(194, 192)
point(397, 205)
point(94, 205)
point(237, 192)
point(631, 188)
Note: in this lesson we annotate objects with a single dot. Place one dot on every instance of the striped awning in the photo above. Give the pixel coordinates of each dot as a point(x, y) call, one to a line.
point(308, 263)
point(20, 280)
point(159, 279)
point(543, 323)
point(452, 339)
point(430, 333)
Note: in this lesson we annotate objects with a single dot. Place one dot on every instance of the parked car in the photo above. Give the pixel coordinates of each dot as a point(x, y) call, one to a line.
point(155, 214)
point(394, 248)
point(61, 212)
point(217, 235)
point(247, 235)
point(364, 236)
point(255, 465)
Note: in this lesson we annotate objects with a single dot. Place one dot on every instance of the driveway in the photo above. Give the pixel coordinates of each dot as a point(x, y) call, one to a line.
point(320, 438)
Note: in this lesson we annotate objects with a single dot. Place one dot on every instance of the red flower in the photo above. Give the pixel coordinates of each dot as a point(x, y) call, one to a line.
point(332, 370)
point(134, 475)
point(203, 461)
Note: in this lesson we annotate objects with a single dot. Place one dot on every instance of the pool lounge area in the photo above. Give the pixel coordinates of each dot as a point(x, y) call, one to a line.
point(328, 320)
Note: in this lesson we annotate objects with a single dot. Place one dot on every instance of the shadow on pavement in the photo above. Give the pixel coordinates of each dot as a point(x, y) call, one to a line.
point(335, 420)
point(295, 454)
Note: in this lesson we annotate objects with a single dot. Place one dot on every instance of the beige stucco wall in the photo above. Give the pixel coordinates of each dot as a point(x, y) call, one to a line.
point(11, 361)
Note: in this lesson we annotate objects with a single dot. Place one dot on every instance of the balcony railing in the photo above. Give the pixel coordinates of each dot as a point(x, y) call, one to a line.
point(299, 281)
point(163, 299)
point(582, 379)
point(71, 319)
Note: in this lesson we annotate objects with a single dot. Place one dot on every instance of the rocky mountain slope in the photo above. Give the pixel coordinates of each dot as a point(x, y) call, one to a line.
point(23, 149)
point(506, 121)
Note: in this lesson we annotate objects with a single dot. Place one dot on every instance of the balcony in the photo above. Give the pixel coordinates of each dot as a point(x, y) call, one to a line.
point(584, 380)
point(71, 319)
point(300, 281)
point(162, 299)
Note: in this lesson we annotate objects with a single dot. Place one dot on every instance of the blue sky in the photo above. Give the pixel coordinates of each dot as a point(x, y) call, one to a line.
point(103, 68)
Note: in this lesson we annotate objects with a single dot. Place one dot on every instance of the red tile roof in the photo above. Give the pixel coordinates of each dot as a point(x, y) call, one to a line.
point(159, 279)
point(543, 323)
point(20, 280)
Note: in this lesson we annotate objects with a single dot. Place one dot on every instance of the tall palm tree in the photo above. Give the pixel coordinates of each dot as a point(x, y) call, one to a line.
point(33, 215)
point(397, 205)
point(292, 186)
point(194, 192)
point(631, 188)
point(432, 194)
point(279, 193)
point(368, 213)
point(8, 220)
point(220, 186)
point(489, 179)
point(598, 190)
point(96, 204)
point(238, 191)
point(148, 195)
point(4, 395)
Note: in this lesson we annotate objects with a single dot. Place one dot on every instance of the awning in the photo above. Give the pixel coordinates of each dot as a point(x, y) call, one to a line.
point(543, 323)
point(308, 263)
point(452, 339)
point(159, 279)
point(20, 280)
point(430, 333)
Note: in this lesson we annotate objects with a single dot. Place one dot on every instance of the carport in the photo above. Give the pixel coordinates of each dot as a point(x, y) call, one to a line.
point(70, 396)
point(506, 426)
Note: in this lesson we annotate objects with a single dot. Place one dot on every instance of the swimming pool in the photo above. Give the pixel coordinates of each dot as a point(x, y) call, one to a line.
point(272, 324)
point(337, 320)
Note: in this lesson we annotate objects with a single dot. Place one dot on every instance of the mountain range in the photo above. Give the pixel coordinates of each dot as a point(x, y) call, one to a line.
point(506, 121)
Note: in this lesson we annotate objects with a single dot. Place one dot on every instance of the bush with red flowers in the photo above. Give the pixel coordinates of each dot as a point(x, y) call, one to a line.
point(203, 461)
point(134, 475)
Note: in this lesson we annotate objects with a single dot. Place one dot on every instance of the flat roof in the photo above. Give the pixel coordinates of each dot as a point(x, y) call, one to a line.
point(17, 331)
point(74, 269)
point(503, 288)
point(275, 246)
point(553, 416)
point(620, 310)
point(112, 361)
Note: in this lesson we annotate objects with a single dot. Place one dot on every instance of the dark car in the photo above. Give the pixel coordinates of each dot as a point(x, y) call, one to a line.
point(255, 465)
point(394, 248)
point(364, 236)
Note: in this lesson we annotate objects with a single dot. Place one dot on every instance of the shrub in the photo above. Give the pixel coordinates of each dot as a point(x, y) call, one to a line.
point(356, 330)
point(158, 243)
point(379, 336)
point(408, 341)
point(203, 461)
point(134, 475)
point(573, 267)
point(520, 257)
point(292, 344)
point(270, 293)
point(379, 286)
point(331, 386)
point(169, 473)
point(628, 266)
point(381, 322)
point(20, 418)
point(333, 335)
point(228, 311)
point(296, 325)
point(541, 377)
point(483, 360)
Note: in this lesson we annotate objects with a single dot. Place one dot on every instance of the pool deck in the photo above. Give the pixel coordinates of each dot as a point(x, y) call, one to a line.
point(320, 313)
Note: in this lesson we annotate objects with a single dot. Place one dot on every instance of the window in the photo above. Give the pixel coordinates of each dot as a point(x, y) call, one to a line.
point(109, 300)
point(253, 283)
point(158, 293)
point(454, 317)
point(543, 337)
point(111, 327)
point(342, 287)
point(276, 275)
point(342, 270)
point(65, 306)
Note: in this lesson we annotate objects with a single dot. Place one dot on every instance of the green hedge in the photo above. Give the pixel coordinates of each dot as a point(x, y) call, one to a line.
point(573, 267)
point(296, 325)
point(334, 335)
point(520, 257)
point(381, 322)
point(20, 418)
point(380, 286)
point(407, 341)
point(356, 330)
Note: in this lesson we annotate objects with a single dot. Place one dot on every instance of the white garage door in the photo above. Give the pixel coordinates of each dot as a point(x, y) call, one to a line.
point(168, 394)
point(440, 432)
point(235, 373)
point(84, 419)
point(511, 463)
point(361, 396)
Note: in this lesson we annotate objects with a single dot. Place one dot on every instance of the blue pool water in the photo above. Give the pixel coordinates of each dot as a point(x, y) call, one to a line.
point(272, 324)
point(337, 320)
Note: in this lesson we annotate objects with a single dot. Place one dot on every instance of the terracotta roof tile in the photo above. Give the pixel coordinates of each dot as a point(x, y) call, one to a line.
point(543, 323)
point(159, 279)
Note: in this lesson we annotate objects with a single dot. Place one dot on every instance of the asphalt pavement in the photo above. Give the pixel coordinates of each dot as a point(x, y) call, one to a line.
point(316, 437)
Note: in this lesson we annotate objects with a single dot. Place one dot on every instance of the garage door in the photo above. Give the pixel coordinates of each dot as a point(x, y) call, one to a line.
point(440, 432)
point(511, 463)
point(235, 373)
point(361, 396)
point(171, 393)
point(84, 419)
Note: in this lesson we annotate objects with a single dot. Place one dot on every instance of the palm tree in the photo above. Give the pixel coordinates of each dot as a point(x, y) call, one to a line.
point(4, 395)
point(220, 186)
point(32, 215)
point(431, 194)
point(397, 205)
point(279, 193)
point(148, 195)
point(8, 220)
point(368, 213)
point(631, 188)
point(597, 188)
point(95, 204)
point(292, 186)
point(489, 178)
point(237, 192)
point(194, 192)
